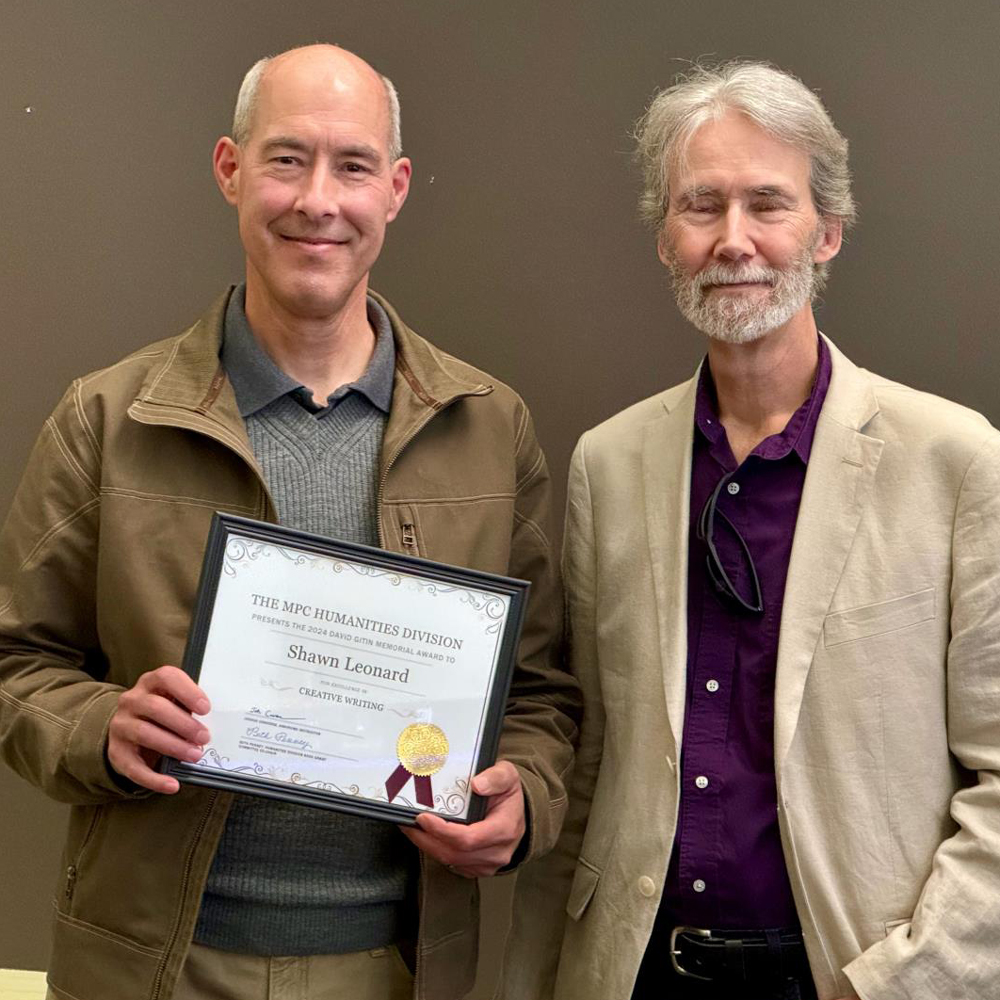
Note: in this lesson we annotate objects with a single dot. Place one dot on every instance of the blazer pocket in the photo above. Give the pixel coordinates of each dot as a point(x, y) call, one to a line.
point(877, 619)
point(891, 925)
point(582, 890)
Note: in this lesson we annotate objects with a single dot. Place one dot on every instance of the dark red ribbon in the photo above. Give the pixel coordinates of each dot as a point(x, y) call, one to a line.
point(421, 782)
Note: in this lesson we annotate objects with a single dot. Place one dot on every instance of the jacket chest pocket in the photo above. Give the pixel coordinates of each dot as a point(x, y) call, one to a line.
point(475, 532)
point(584, 886)
point(878, 619)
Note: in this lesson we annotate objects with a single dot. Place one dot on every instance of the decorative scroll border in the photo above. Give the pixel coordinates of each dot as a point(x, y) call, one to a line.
point(452, 801)
point(240, 551)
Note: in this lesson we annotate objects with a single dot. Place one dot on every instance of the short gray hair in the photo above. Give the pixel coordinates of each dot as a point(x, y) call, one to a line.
point(781, 104)
point(246, 106)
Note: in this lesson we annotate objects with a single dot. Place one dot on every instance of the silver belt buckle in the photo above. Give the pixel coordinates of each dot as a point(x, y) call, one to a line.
point(675, 954)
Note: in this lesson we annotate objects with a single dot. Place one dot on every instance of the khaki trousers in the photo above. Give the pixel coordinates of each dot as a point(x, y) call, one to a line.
point(379, 974)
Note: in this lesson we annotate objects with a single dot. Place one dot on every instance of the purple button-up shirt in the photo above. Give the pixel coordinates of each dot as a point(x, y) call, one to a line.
point(727, 869)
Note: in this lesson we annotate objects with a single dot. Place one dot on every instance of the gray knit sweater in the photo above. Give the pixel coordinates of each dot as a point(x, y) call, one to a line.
point(289, 879)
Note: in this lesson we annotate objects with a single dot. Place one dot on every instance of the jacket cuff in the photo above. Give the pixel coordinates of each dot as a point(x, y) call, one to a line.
point(542, 819)
point(874, 974)
point(86, 750)
point(521, 851)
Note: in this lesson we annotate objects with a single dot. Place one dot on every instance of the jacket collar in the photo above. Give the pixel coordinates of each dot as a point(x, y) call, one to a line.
point(665, 498)
point(187, 376)
point(189, 388)
point(191, 377)
point(426, 381)
point(850, 400)
point(434, 377)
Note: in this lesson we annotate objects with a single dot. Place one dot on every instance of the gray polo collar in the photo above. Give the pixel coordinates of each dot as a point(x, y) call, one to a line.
point(258, 381)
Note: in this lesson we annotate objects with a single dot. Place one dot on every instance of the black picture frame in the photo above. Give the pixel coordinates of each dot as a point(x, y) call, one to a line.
point(227, 528)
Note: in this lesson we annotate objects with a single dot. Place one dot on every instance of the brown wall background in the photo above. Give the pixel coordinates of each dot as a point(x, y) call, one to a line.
point(519, 248)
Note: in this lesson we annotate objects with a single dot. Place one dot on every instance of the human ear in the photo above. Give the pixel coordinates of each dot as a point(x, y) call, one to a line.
point(226, 167)
point(400, 173)
point(830, 241)
point(663, 246)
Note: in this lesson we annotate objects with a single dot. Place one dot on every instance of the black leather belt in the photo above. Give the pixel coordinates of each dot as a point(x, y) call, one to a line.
point(753, 956)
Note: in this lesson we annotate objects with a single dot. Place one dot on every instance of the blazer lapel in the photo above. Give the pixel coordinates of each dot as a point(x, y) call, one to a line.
point(842, 466)
point(666, 484)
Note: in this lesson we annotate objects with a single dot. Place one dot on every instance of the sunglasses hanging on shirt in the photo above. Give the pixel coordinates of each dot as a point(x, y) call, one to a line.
point(705, 531)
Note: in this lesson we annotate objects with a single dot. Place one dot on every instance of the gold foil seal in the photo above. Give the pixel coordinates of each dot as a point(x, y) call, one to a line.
point(422, 749)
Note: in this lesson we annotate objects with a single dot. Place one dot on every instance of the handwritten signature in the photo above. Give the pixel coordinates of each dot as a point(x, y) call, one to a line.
point(268, 714)
point(255, 732)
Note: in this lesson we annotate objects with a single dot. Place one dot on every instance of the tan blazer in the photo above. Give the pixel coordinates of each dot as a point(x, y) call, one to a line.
point(887, 701)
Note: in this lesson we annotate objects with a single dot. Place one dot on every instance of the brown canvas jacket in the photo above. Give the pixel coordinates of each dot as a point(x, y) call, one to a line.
point(99, 564)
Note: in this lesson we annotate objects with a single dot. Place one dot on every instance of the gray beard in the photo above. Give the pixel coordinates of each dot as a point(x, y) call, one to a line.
point(742, 319)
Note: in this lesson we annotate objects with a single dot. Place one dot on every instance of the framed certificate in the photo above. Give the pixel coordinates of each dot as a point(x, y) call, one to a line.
point(347, 677)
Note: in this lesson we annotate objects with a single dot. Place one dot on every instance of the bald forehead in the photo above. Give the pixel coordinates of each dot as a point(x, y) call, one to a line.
point(321, 78)
point(329, 61)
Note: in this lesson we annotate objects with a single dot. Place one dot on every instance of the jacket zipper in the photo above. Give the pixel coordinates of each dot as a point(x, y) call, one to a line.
point(185, 883)
point(421, 895)
point(70, 883)
point(414, 431)
point(385, 473)
point(73, 870)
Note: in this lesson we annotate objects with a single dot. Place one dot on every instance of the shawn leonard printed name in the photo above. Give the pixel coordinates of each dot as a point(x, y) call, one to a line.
point(355, 621)
point(304, 655)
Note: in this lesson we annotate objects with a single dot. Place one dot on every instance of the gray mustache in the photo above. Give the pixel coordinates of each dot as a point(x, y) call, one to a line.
point(717, 275)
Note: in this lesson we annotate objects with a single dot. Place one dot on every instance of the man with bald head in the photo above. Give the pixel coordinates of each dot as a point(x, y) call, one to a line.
point(302, 398)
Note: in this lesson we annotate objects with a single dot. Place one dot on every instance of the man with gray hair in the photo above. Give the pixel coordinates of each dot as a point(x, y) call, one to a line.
point(783, 586)
point(301, 397)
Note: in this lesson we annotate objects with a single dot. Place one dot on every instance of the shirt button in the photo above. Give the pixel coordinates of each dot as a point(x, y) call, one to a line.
point(647, 886)
point(733, 489)
point(701, 781)
point(712, 685)
point(698, 885)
